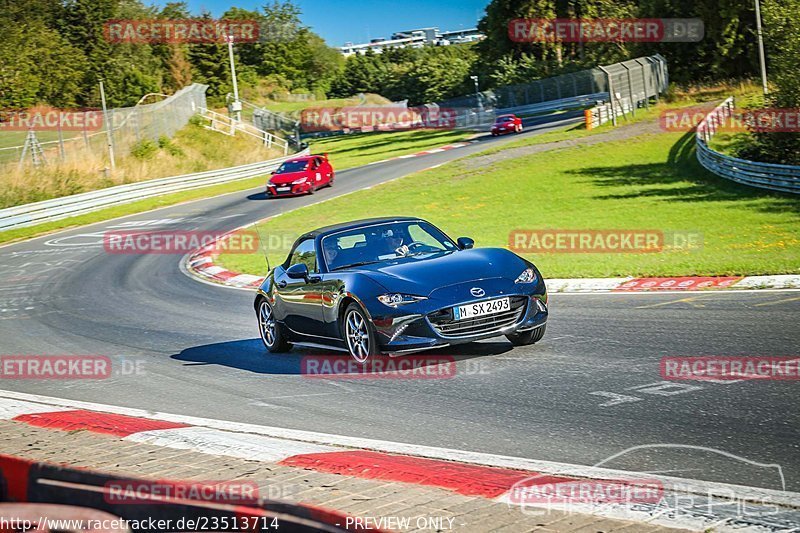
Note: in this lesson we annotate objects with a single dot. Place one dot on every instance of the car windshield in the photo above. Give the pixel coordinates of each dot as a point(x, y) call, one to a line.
point(383, 242)
point(501, 120)
point(292, 166)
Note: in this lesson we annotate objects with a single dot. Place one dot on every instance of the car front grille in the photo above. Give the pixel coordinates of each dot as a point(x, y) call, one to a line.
point(444, 324)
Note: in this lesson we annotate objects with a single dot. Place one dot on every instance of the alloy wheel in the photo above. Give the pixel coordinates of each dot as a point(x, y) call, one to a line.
point(357, 336)
point(266, 323)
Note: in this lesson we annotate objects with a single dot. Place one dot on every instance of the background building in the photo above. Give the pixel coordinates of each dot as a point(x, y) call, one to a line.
point(414, 39)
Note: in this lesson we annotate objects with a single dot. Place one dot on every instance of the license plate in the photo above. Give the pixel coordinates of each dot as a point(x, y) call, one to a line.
point(283, 189)
point(488, 307)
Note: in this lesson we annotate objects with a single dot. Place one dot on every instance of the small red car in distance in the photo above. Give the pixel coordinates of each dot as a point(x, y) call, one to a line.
point(506, 124)
point(301, 175)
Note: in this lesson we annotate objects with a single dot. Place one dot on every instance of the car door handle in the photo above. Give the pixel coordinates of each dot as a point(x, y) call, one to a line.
point(282, 284)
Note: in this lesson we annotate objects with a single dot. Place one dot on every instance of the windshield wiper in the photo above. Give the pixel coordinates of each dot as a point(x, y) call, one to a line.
point(351, 265)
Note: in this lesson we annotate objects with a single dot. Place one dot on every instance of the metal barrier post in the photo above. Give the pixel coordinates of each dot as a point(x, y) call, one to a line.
point(631, 98)
point(610, 96)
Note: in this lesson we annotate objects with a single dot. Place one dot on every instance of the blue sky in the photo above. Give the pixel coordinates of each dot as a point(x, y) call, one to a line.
point(338, 21)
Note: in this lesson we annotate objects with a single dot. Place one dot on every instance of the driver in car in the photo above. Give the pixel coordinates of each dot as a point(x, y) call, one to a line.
point(330, 249)
point(393, 242)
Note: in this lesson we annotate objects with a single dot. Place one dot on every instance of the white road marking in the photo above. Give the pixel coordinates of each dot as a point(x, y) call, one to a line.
point(93, 240)
point(616, 399)
point(778, 302)
point(666, 388)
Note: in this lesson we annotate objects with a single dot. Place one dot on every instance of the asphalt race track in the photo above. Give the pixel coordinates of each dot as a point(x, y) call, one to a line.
point(590, 390)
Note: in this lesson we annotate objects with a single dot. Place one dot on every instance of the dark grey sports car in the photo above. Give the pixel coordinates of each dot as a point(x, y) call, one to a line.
point(397, 285)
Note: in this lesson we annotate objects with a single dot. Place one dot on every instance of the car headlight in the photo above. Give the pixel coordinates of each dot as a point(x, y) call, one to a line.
point(395, 299)
point(298, 182)
point(528, 276)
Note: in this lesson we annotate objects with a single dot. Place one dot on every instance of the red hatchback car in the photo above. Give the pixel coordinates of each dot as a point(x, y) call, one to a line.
point(301, 175)
point(506, 124)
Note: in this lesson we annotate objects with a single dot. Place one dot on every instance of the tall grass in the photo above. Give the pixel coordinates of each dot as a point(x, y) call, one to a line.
point(193, 149)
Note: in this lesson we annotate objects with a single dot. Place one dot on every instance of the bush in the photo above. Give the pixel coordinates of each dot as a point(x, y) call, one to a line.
point(781, 148)
point(144, 149)
point(165, 143)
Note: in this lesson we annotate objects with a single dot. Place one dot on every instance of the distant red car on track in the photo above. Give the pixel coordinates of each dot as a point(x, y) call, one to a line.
point(301, 175)
point(506, 124)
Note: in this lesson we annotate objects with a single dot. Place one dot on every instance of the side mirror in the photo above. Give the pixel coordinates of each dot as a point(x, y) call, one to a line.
point(298, 271)
point(465, 243)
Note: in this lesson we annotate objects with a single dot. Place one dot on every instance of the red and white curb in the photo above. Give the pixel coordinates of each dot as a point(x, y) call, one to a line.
point(676, 283)
point(463, 472)
point(200, 264)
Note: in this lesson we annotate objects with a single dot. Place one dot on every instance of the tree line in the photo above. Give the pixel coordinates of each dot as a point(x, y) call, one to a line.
point(55, 52)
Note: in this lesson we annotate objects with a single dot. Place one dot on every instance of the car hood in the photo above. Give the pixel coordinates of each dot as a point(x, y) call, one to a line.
point(421, 275)
point(287, 177)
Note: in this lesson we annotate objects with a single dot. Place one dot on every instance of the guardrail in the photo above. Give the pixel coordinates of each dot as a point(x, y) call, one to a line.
point(78, 204)
point(771, 176)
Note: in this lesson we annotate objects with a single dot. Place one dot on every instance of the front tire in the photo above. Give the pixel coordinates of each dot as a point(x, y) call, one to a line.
point(527, 337)
point(359, 335)
point(270, 330)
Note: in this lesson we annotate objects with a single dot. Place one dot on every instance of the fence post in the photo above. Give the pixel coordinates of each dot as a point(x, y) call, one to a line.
point(647, 91)
point(610, 95)
point(61, 152)
point(109, 133)
point(85, 134)
point(631, 98)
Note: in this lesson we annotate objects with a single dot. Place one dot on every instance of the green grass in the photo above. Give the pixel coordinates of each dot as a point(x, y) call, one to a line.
point(291, 107)
point(578, 131)
point(347, 151)
point(294, 107)
point(651, 182)
point(728, 142)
